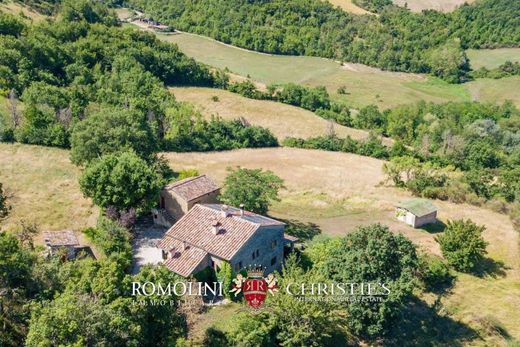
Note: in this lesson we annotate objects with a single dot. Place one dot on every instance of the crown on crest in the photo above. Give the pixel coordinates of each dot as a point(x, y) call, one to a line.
point(255, 271)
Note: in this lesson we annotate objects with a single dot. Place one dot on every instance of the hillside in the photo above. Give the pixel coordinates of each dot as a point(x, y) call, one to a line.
point(44, 189)
point(283, 120)
point(364, 85)
point(338, 191)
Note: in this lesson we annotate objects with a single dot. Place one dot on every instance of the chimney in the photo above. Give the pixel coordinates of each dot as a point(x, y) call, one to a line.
point(184, 245)
point(215, 227)
point(241, 210)
point(224, 211)
point(171, 253)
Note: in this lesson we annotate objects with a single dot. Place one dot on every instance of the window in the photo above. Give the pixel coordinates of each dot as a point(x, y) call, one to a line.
point(273, 261)
point(274, 243)
point(162, 203)
point(238, 266)
point(253, 256)
point(256, 254)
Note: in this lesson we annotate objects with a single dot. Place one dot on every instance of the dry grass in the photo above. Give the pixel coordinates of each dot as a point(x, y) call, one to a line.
point(44, 188)
point(17, 9)
point(495, 91)
point(349, 6)
point(492, 58)
point(272, 115)
point(439, 5)
point(339, 191)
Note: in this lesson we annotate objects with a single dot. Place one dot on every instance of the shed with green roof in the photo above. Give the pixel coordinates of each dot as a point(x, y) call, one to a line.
point(416, 212)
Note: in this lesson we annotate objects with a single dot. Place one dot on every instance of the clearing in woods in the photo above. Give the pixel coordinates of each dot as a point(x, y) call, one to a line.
point(269, 114)
point(439, 5)
point(365, 85)
point(339, 191)
point(349, 6)
point(492, 58)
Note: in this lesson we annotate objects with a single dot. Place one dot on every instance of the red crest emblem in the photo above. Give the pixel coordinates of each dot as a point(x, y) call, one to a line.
point(255, 287)
point(255, 291)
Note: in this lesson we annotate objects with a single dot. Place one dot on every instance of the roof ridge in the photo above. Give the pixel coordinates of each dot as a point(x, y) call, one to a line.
point(186, 180)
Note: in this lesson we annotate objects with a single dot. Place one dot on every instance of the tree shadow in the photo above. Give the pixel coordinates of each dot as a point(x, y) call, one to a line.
point(434, 228)
point(301, 230)
point(490, 268)
point(422, 325)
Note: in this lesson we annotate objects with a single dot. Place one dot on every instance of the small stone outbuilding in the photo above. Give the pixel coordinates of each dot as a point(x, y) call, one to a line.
point(177, 198)
point(416, 212)
point(63, 239)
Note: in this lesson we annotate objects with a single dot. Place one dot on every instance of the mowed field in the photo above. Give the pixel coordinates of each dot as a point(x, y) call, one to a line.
point(492, 58)
point(339, 191)
point(269, 114)
point(439, 5)
point(365, 85)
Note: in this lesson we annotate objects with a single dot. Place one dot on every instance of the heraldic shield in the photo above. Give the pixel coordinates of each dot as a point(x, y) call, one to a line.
point(255, 287)
point(255, 291)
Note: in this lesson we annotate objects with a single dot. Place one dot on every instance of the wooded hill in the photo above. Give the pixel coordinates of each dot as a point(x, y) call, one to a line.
point(396, 39)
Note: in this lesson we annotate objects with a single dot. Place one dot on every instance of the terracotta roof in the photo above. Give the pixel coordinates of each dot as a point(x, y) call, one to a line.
point(192, 187)
point(419, 207)
point(184, 260)
point(196, 228)
point(60, 238)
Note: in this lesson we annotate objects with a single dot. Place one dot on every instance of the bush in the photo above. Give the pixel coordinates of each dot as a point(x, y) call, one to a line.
point(434, 273)
point(462, 244)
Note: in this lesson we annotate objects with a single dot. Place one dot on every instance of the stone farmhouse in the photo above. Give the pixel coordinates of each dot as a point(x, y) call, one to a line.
point(209, 234)
point(417, 212)
point(177, 198)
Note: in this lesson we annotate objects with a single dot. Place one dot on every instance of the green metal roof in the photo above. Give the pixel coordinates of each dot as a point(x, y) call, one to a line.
point(419, 207)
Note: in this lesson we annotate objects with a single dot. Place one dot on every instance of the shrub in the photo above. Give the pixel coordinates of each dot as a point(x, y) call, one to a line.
point(434, 273)
point(462, 244)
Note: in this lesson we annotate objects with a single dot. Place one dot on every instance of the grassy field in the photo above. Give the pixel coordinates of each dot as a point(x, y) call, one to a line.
point(17, 9)
point(43, 185)
point(269, 114)
point(339, 191)
point(349, 6)
point(439, 5)
point(492, 58)
point(364, 85)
